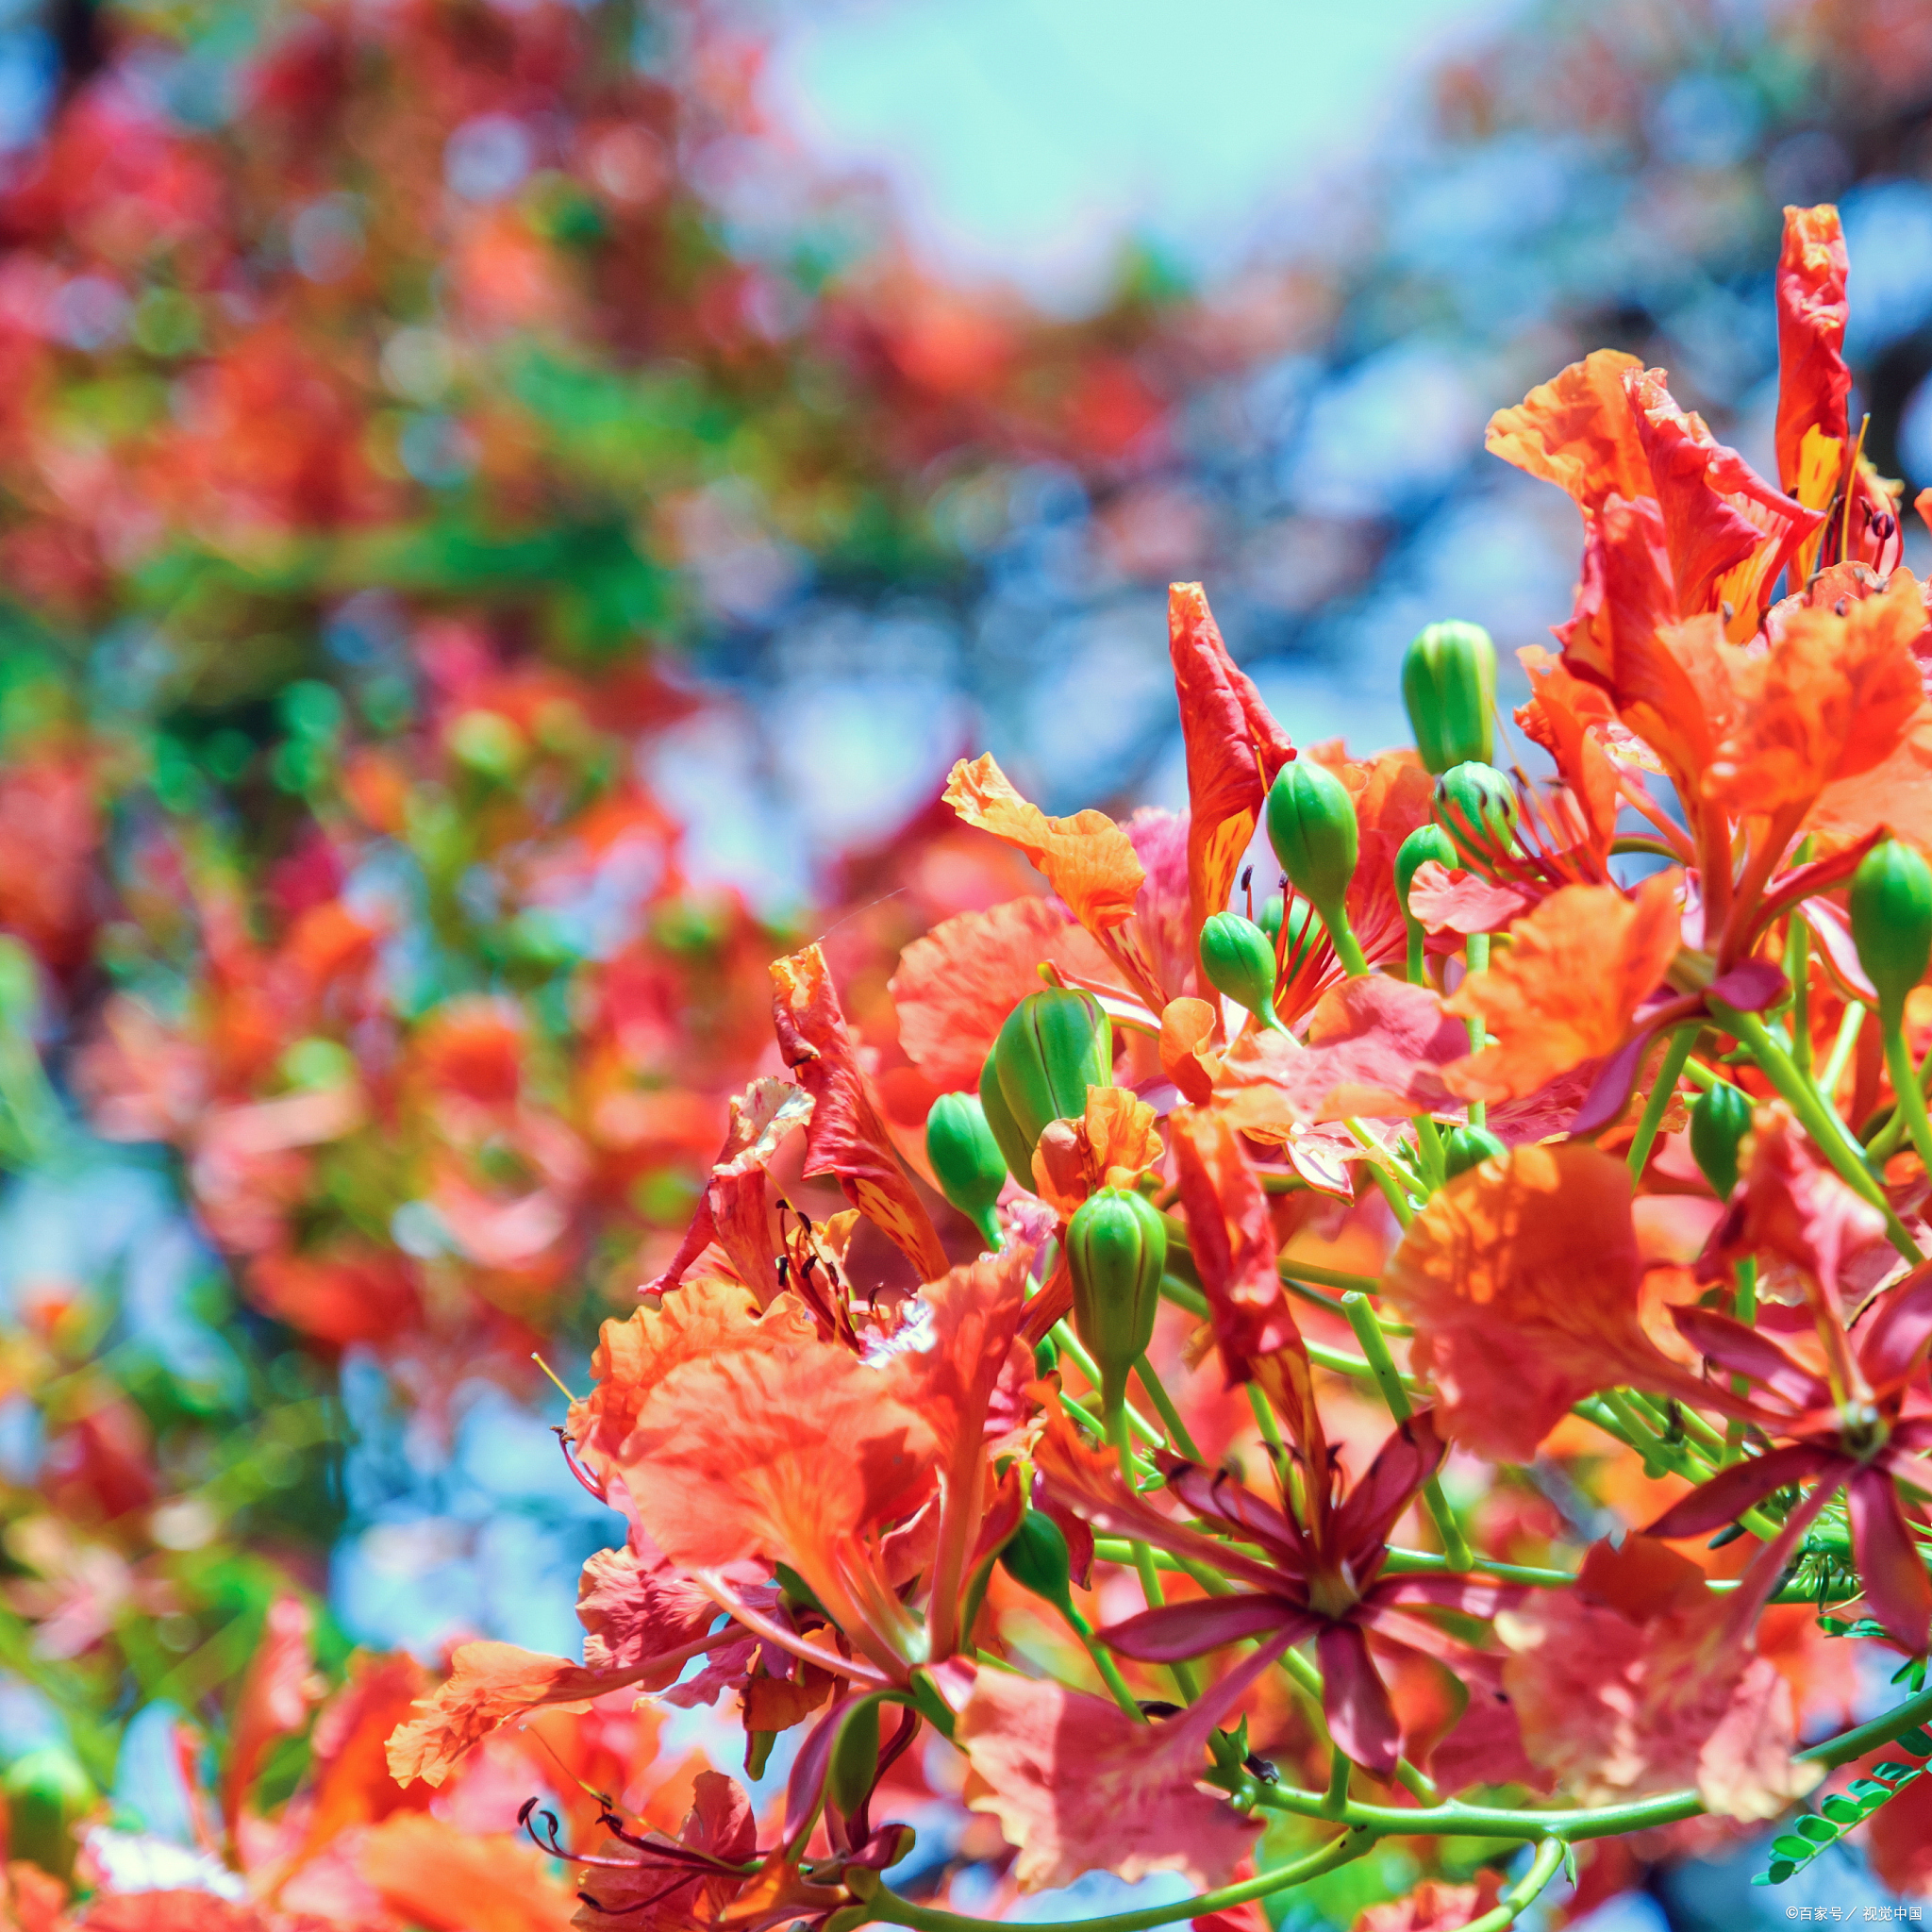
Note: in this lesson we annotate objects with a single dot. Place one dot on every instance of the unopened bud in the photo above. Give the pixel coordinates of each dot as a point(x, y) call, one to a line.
point(1014, 1149)
point(1240, 961)
point(966, 1159)
point(1270, 921)
point(1055, 1046)
point(1311, 825)
point(1449, 690)
point(853, 1768)
point(1424, 845)
point(1720, 1118)
point(1466, 1147)
point(1304, 927)
point(1891, 921)
point(46, 1794)
point(1476, 806)
point(1036, 1556)
point(1116, 1250)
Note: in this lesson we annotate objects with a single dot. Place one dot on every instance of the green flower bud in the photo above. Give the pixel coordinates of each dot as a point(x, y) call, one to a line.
point(1047, 1357)
point(1476, 806)
point(46, 1793)
point(853, 1768)
point(1037, 1558)
point(1466, 1147)
point(1055, 1046)
point(966, 1159)
point(1311, 825)
point(1426, 843)
point(1720, 1118)
point(1116, 1249)
point(1015, 1150)
point(1240, 961)
point(1270, 921)
point(1449, 691)
point(1891, 921)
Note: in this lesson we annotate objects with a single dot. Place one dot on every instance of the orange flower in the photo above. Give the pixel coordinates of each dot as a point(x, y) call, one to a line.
point(1566, 992)
point(1114, 1141)
point(1523, 1282)
point(1086, 860)
point(792, 1452)
point(846, 1137)
point(445, 1879)
point(956, 985)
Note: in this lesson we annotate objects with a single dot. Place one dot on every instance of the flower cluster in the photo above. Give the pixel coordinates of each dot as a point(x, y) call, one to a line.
point(1045, 1442)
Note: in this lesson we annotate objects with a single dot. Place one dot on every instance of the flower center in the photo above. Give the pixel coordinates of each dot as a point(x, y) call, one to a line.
point(1333, 1591)
point(1862, 1430)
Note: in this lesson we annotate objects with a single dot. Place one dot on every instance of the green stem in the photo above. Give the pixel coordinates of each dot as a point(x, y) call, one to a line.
point(1842, 1050)
point(1904, 1083)
point(1069, 1343)
point(1476, 957)
point(1414, 967)
point(1183, 1673)
point(1653, 1116)
point(1368, 1331)
point(1798, 971)
point(1264, 1416)
point(1103, 1662)
point(1844, 1156)
point(1747, 1309)
point(1291, 1269)
point(1346, 947)
point(1339, 1772)
point(1391, 1184)
point(1428, 1142)
point(889, 1908)
point(1526, 1892)
point(1163, 1405)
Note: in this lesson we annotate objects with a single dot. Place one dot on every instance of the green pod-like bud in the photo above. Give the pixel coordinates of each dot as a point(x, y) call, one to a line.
point(853, 1768)
point(1240, 961)
point(1720, 1118)
point(1015, 1149)
point(1055, 1046)
point(1891, 921)
point(1116, 1250)
point(966, 1159)
point(1476, 806)
point(48, 1795)
point(1311, 825)
point(1466, 1147)
point(1449, 691)
point(1304, 927)
point(1037, 1558)
point(1273, 908)
point(1425, 843)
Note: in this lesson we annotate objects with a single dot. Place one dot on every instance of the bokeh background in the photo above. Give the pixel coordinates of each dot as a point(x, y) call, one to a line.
point(508, 510)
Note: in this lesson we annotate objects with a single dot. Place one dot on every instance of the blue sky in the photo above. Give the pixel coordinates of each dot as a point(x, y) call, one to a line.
point(1024, 139)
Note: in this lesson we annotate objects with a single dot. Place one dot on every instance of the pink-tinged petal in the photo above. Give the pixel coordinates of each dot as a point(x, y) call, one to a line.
point(1732, 1490)
point(805, 1785)
point(1639, 1681)
point(1609, 1092)
point(1486, 1748)
point(1413, 1633)
point(1907, 1438)
point(1750, 988)
point(1749, 1352)
point(1474, 1596)
point(1218, 1494)
point(1360, 1718)
point(1079, 1786)
point(1402, 1464)
point(1176, 1631)
point(1897, 1590)
point(1376, 1046)
point(1898, 1329)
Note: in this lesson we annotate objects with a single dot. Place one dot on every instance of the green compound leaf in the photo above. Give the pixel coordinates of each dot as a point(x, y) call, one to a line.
point(1821, 1831)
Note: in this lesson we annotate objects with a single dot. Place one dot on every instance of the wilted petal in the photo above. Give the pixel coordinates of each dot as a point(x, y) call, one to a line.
point(846, 1137)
